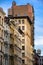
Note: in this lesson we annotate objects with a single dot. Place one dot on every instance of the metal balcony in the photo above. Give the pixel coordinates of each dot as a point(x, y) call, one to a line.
point(17, 48)
point(20, 31)
point(6, 32)
point(6, 42)
point(6, 55)
point(11, 50)
point(11, 54)
point(12, 22)
point(11, 45)
point(17, 39)
point(17, 57)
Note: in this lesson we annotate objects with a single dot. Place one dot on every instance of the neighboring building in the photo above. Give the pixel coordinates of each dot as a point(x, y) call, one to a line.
point(36, 58)
point(41, 60)
point(6, 42)
point(2, 15)
point(14, 44)
point(24, 15)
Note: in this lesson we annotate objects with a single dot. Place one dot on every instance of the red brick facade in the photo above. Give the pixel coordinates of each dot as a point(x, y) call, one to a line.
point(22, 10)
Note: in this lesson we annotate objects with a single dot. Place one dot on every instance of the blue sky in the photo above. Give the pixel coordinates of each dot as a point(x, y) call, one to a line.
point(38, 12)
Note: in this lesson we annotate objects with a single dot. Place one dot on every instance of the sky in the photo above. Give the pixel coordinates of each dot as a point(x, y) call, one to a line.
point(38, 13)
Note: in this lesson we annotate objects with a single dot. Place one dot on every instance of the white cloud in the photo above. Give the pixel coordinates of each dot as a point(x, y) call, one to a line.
point(39, 40)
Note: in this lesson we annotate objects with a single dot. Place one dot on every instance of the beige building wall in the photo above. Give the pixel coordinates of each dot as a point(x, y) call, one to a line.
point(27, 41)
point(2, 15)
point(26, 53)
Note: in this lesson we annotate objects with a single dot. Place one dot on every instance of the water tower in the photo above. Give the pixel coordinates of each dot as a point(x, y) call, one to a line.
point(39, 52)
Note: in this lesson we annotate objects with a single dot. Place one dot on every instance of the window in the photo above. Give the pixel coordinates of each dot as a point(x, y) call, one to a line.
point(19, 21)
point(23, 61)
point(22, 27)
point(23, 35)
point(23, 47)
point(2, 21)
point(23, 41)
point(22, 21)
point(42, 59)
point(19, 27)
point(40, 63)
point(15, 22)
point(23, 54)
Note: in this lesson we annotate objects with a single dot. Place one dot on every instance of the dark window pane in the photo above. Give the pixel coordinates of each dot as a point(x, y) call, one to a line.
point(19, 21)
point(23, 47)
point(22, 21)
point(23, 61)
point(23, 41)
point(22, 27)
point(23, 54)
point(19, 27)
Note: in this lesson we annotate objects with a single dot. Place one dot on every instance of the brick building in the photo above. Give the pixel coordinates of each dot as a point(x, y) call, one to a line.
point(24, 15)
